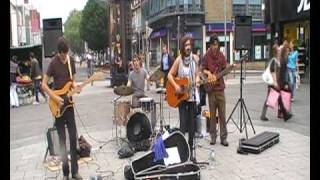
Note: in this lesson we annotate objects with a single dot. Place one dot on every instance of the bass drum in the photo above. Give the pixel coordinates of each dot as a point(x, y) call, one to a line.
point(138, 127)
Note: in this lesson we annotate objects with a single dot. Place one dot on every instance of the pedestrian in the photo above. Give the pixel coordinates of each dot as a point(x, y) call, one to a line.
point(279, 82)
point(36, 76)
point(213, 63)
point(186, 66)
point(166, 63)
point(14, 71)
point(62, 68)
point(292, 66)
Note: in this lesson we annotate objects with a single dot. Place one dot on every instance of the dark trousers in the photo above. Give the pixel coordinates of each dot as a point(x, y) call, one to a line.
point(281, 106)
point(37, 89)
point(68, 119)
point(217, 100)
point(187, 114)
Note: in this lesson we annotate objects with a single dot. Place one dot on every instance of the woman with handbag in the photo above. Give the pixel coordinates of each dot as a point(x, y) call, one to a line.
point(278, 67)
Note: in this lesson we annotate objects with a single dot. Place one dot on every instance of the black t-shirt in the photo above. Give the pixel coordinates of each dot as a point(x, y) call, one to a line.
point(60, 71)
point(280, 70)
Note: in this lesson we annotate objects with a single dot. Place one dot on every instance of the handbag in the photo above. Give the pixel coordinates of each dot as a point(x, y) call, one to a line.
point(273, 97)
point(267, 76)
point(286, 100)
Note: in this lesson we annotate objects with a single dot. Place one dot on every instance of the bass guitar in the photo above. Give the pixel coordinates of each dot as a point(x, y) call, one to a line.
point(174, 98)
point(66, 93)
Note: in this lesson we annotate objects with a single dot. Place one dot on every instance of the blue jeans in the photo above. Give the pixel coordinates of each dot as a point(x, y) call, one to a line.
point(291, 74)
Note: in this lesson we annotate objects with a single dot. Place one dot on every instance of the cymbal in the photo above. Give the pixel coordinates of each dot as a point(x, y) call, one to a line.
point(123, 90)
point(156, 75)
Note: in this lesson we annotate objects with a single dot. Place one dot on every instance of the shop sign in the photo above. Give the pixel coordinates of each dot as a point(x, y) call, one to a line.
point(303, 6)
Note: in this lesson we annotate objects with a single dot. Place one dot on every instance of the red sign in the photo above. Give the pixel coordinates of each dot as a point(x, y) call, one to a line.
point(35, 21)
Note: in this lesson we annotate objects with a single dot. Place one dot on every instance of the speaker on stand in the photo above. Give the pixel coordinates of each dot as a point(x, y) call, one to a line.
point(242, 42)
point(52, 30)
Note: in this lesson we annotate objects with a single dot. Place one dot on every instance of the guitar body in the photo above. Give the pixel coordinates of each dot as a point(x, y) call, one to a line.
point(54, 106)
point(173, 98)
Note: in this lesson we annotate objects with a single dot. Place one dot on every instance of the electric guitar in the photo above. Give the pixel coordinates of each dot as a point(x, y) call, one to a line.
point(174, 98)
point(66, 93)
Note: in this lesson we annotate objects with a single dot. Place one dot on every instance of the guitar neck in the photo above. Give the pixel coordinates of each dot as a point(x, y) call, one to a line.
point(219, 75)
point(84, 83)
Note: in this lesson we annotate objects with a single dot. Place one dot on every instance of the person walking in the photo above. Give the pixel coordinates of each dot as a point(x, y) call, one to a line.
point(292, 66)
point(278, 66)
point(36, 76)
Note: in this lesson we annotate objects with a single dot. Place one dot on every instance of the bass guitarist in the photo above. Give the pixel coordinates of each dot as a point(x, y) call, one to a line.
point(215, 62)
point(62, 69)
point(186, 65)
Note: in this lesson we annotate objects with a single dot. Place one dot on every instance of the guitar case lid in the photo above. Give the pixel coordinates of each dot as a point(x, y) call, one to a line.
point(146, 162)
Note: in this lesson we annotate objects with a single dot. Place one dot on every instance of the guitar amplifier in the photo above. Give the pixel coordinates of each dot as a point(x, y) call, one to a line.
point(53, 141)
point(260, 142)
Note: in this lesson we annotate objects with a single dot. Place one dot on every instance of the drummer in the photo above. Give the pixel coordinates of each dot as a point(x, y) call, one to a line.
point(136, 80)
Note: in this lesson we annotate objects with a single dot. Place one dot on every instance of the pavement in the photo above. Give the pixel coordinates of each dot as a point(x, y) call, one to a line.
point(289, 159)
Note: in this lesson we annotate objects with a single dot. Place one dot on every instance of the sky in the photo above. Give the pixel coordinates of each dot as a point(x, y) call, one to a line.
point(56, 8)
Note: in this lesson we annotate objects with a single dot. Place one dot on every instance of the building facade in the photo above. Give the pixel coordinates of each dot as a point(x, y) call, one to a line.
point(217, 13)
point(24, 25)
point(170, 20)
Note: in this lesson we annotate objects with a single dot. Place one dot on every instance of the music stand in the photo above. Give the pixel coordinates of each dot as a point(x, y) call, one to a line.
point(243, 107)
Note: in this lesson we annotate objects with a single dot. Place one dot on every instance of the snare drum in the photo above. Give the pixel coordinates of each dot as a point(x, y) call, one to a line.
point(122, 110)
point(147, 104)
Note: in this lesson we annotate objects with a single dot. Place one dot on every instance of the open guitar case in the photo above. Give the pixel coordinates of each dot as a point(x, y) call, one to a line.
point(144, 167)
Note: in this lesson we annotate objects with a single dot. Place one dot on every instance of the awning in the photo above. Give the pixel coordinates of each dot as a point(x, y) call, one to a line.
point(219, 27)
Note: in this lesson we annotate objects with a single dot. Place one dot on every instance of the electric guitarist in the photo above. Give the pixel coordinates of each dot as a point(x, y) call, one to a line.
point(62, 70)
point(213, 64)
point(186, 65)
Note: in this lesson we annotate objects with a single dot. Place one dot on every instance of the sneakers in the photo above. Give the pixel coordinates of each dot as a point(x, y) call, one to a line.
point(224, 142)
point(65, 178)
point(263, 118)
point(35, 103)
point(292, 99)
point(77, 176)
point(286, 118)
point(213, 140)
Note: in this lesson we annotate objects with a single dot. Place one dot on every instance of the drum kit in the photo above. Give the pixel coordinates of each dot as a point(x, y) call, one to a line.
point(140, 122)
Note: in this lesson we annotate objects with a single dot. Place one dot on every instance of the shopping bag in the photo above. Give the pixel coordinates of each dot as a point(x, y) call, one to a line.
point(267, 76)
point(273, 97)
point(286, 100)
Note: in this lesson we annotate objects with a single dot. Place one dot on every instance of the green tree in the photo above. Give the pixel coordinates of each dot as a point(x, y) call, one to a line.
point(94, 25)
point(72, 31)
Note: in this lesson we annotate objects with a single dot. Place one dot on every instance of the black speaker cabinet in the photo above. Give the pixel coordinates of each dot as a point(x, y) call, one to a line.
point(52, 30)
point(53, 141)
point(243, 32)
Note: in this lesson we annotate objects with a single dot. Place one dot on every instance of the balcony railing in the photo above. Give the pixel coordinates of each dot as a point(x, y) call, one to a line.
point(173, 10)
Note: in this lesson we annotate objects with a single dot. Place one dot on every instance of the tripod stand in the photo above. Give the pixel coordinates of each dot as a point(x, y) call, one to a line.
point(114, 121)
point(243, 107)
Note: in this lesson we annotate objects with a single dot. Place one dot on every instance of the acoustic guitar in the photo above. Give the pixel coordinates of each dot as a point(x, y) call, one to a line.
point(66, 93)
point(174, 98)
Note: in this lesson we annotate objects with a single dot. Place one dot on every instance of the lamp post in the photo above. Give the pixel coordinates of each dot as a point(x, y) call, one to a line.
point(225, 28)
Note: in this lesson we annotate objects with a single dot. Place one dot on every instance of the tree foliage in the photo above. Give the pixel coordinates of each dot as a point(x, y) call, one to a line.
point(94, 25)
point(72, 31)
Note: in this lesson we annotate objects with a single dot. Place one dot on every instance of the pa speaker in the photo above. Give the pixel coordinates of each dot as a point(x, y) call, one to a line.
point(243, 32)
point(52, 30)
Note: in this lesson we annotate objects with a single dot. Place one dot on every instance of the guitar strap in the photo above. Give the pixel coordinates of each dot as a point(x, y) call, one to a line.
point(69, 67)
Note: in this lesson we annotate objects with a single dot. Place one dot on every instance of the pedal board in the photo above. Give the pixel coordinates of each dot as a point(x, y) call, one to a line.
point(260, 142)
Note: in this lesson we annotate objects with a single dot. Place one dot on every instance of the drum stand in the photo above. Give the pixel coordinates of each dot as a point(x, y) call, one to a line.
point(117, 138)
point(161, 109)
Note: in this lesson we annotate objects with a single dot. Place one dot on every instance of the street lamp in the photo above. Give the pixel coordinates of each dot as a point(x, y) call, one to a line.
point(225, 28)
